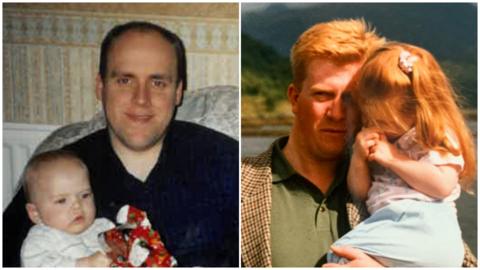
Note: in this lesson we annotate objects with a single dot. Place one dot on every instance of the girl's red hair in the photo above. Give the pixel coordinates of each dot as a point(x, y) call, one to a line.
point(382, 90)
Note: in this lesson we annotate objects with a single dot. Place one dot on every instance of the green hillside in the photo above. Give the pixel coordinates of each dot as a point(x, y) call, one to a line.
point(264, 72)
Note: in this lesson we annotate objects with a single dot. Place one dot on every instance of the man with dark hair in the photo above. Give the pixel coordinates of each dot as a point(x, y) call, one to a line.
point(183, 175)
point(145, 27)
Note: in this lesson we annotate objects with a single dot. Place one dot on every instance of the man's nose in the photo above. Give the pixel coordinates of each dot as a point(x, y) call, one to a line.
point(336, 110)
point(141, 95)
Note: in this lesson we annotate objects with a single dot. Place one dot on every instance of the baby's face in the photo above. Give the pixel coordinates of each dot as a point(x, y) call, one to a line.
point(63, 198)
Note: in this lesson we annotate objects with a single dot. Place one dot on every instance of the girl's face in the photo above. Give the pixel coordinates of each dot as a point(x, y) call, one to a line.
point(391, 128)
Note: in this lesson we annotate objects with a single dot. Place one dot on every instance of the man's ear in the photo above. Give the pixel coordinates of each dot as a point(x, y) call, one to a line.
point(179, 93)
point(98, 87)
point(293, 93)
point(33, 213)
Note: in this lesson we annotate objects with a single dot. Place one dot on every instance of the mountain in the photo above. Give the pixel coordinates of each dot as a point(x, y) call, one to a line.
point(442, 28)
point(448, 30)
point(264, 72)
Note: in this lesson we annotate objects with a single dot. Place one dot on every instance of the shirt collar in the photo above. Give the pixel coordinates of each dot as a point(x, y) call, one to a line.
point(407, 139)
point(282, 170)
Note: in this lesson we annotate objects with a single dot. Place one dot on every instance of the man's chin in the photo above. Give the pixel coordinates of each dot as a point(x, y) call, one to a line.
point(138, 142)
point(331, 151)
point(141, 145)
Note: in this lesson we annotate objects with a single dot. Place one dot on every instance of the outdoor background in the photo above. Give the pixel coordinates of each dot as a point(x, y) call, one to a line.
point(449, 31)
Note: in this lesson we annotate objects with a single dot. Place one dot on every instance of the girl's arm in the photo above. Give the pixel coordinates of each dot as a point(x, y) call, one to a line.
point(434, 181)
point(358, 178)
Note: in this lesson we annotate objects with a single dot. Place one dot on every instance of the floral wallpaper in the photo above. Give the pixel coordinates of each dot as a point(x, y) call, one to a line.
point(50, 53)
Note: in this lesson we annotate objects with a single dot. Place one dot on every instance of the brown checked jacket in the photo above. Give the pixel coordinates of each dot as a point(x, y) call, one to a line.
point(256, 199)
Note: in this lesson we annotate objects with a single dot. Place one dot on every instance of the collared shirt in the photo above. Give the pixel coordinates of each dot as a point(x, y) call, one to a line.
point(305, 222)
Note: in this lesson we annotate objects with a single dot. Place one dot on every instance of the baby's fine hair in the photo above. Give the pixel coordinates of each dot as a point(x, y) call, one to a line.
point(43, 161)
point(401, 82)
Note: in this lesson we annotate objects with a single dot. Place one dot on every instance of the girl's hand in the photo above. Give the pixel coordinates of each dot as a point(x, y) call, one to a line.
point(364, 140)
point(383, 152)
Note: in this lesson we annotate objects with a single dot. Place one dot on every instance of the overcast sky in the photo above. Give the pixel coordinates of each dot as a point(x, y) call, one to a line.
point(249, 7)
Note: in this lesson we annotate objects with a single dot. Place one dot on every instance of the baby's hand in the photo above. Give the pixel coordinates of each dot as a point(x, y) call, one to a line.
point(98, 259)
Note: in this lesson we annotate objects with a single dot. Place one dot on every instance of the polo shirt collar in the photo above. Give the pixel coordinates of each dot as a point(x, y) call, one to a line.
point(282, 170)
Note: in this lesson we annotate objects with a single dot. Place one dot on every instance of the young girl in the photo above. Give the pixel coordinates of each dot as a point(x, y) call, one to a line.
point(410, 158)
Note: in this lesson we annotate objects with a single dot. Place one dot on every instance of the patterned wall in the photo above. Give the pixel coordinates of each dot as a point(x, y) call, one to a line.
point(50, 55)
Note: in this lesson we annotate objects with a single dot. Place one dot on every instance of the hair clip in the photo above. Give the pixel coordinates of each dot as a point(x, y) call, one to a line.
point(405, 62)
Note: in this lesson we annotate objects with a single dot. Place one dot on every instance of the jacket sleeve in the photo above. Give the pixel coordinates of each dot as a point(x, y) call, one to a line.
point(469, 260)
point(15, 228)
point(37, 251)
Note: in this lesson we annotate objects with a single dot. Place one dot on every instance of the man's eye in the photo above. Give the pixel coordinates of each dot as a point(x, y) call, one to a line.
point(123, 81)
point(60, 201)
point(347, 98)
point(86, 195)
point(321, 96)
point(159, 83)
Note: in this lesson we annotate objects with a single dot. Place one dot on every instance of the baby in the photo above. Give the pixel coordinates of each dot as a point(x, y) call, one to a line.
point(60, 203)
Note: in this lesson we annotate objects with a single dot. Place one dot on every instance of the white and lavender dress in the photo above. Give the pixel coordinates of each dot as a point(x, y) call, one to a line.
point(408, 228)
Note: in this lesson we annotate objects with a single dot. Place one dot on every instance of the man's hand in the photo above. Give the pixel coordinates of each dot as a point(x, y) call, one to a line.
point(98, 259)
point(356, 258)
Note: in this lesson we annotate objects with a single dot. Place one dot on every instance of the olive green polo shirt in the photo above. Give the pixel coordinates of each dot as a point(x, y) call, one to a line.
point(305, 222)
